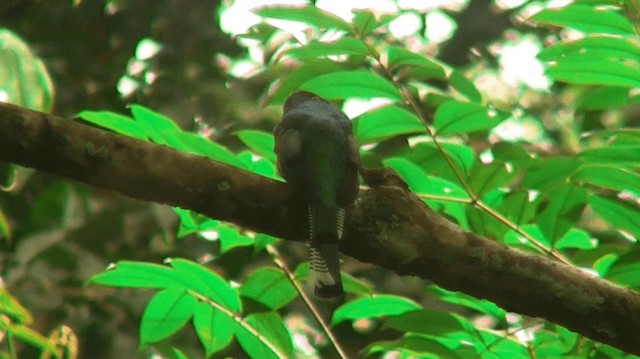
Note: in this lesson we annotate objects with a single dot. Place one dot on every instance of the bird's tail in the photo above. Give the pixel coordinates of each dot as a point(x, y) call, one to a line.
point(325, 227)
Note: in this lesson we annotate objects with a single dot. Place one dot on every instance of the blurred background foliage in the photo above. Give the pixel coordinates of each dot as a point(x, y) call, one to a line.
point(76, 58)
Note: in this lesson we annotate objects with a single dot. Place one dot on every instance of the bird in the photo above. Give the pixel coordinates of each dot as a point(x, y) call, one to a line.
point(318, 157)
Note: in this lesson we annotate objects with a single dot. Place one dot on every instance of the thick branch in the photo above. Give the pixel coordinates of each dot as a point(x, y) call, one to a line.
point(388, 226)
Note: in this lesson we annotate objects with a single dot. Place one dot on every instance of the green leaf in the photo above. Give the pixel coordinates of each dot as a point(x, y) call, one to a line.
point(112, 121)
point(308, 70)
point(270, 287)
point(207, 283)
point(425, 321)
point(178, 354)
point(373, 307)
point(597, 72)
point(565, 207)
point(258, 141)
point(469, 302)
point(594, 47)
point(619, 214)
point(576, 239)
point(309, 15)
point(25, 81)
point(586, 19)
point(486, 177)
point(342, 46)
point(603, 98)
point(623, 155)
point(152, 119)
point(139, 275)
point(548, 173)
point(165, 314)
point(270, 326)
point(461, 84)
point(454, 117)
point(520, 206)
point(385, 122)
point(350, 84)
point(193, 143)
point(366, 21)
point(428, 68)
point(214, 329)
point(424, 184)
point(626, 270)
point(419, 346)
point(230, 238)
point(607, 176)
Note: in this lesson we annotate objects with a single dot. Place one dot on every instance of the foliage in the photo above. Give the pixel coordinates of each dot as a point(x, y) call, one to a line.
point(567, 186)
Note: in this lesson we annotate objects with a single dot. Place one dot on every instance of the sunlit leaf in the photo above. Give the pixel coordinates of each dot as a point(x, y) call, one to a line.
point(270, 287)
point(586, 19)
point(271, 328)
point(214, 329)
point(342, 46)
point(139, 275)
point(454, 117)
point(386, 122)
point(309, 15)
point(373, 307)
point(112, 121)
point(165, 314)
point(461, 84)
point(349, 84)
point(258, 141)
point(469, 302)
point(207, 283)
point(399, 57)
point(619, 214)
point(594, 47)
point(308, 70)
point(366, 21)
point(597, 72)
point(626, 270)
point(576, 239)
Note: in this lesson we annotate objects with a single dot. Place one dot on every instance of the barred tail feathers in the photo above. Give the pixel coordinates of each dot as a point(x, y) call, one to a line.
point(325, 227)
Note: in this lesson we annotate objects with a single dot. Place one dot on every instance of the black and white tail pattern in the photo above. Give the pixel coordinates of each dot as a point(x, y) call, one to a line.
point(324, 257)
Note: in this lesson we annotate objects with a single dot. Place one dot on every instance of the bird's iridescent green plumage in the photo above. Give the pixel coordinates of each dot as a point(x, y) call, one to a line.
point(318, 156)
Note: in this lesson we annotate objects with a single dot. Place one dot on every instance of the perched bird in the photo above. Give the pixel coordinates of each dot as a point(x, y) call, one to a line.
point(318, 157)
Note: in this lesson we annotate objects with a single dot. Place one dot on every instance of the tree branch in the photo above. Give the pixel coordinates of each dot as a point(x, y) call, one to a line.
point(388, 225)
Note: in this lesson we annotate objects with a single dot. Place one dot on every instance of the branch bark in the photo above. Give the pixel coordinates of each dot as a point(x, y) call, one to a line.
point(388, 225)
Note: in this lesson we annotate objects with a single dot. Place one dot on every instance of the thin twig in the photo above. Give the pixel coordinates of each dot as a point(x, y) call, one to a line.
point(277, 258)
